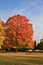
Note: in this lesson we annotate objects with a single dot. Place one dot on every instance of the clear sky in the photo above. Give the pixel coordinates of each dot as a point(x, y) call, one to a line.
point(33, 9)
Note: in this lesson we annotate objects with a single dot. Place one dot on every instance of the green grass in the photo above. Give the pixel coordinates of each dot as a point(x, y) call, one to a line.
point(21, 60)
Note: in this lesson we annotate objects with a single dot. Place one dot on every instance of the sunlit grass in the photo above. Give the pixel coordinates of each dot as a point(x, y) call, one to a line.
point(20, 60)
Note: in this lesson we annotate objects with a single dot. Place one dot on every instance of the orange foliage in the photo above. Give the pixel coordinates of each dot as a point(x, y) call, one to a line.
point(19, 31)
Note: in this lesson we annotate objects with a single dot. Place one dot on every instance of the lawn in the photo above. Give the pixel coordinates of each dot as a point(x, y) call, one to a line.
point(21, 59)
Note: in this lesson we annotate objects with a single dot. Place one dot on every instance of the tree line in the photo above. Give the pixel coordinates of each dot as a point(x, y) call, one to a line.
point(38, 46)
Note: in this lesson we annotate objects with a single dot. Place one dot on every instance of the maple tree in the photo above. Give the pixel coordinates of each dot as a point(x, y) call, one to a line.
point(2, 33)
point(19, 32)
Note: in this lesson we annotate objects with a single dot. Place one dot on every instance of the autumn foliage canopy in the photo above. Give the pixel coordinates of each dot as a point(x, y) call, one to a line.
point(18, 32)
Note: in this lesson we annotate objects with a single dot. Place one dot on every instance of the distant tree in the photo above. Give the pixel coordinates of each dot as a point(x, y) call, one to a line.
point(34, 45)
point(40, 45)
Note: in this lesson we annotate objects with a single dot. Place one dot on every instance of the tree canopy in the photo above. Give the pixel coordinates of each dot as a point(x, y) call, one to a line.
point(18, 32)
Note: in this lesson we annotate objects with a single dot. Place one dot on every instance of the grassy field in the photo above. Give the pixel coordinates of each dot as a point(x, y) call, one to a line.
point(21, 58)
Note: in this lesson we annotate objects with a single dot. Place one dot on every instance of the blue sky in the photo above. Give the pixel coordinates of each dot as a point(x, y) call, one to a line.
point(33, 9)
